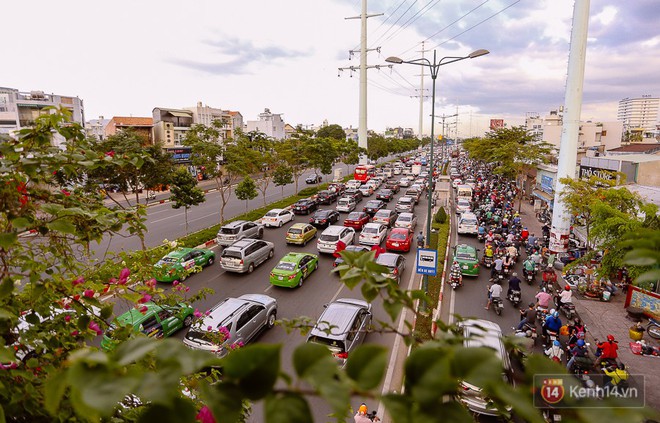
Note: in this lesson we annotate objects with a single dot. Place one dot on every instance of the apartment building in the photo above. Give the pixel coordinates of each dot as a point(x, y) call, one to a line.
point(142, 126)
point(270, 124)
point(170, 128)
point(96, 128)
point(639, 117)
point(205, 115)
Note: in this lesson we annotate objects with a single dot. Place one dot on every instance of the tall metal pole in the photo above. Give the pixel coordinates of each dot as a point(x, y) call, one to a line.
point(561, 222)
point(421, 101)
point(362, 128)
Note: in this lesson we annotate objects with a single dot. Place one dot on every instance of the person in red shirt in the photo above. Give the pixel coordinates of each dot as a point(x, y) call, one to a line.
point(608, 350)
point(524, 234)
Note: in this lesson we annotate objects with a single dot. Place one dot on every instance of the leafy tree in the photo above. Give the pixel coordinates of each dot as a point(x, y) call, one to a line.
point(246, 190)
point(349, 152)
point(260, 158)
point(513, 150)
point(643, 254)
point(334, 131)
point(217, 158)
point(282, 176)
point(377, 147)
point(184, 192)
point(292, 152)
point(321, 154)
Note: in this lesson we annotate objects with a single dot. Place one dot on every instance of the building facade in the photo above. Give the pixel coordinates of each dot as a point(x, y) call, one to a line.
point(95, 128)
point(143, 126)
point(206, 115)
point(270, 124)
point(20, 109)
point(170, 128)
point(639, 117)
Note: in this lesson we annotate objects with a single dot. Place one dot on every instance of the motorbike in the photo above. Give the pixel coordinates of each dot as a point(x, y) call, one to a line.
point(550, 337)
point(653, 328)
point(455, 279)
point(488, 261)
point(529, 331)
point(151, 195)
point(498, 305)
point(515, 297)
point(529, 276)
point(568, 309)
point(480, 237)
point(541, 313)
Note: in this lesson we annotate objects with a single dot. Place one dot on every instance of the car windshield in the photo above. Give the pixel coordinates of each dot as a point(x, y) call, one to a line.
point(465, 256)
point(343, 202)
point(405, 218)
point(231, 254)
point(463, 203)
point(353, 216)
point(295, 231)
point(405, 200)
point(398, 236)
point(334, 345)
point(229, 231)
point(329, 238)
point(373, 204)
point(382, 213)
point(468, 221)
point(168, 259)
point(321, 214)
point(370, 230)
point(283, 265)
point(271, 214)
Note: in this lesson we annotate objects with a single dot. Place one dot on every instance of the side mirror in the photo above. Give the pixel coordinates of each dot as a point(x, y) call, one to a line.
point(325, 305)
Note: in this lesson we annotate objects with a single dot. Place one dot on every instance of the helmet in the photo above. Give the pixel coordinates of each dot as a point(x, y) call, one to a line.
point(528, 333)
point(610, 337)
point(556, 343)
point(555, 314)
point(525, 228)
point(514, 274)
point(549, 268)
point(567, 288)
point(553, 311)
point(363, 409)
point(490, 232)
point(580, 342)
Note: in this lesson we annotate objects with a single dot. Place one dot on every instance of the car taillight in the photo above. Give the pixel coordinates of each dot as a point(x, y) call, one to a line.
point(476, 265)
point(292, 277)
point(272, 274)
point(343, 355)
point(240, 262)
point(396, 271)
point(324, 220)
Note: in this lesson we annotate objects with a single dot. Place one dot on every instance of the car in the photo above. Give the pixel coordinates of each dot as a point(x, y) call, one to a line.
point(326, 197)
point(353, 248)
point(373, 206)
point(372, 234)
point(366, 190)
point(293, 269)
point(178, 264)
point(385, 195)
point(300, 233)
point(353, 184)
point(277, 217)
point(357, 220)
point(467, 258)
point(419, 186)
point(246, 254)
point(405, 204)
point(405, 182)
point(237, 230)
point(463, 205)
point(240, 319)
point(414, 194)
point(386, 217)
point(154, 320)
point(468, 224)
point(314, 178)
point(354, 194)
point(329, 238)
point(395, 263)
point(304, 206)
point(480, 333)
point(456, 182)
point(406, 220)
point(324, 218)
point(397, 170)
point(346, 204)
point(342, 327)
point(399, 239)
point(337, 187)
point(393, 185)
point(376, 181)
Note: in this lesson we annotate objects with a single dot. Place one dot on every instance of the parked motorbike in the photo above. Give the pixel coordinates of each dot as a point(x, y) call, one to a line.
point(653, 328)
point(515, 297)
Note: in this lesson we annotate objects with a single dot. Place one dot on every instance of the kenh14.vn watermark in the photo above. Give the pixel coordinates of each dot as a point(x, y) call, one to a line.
point(587, 391)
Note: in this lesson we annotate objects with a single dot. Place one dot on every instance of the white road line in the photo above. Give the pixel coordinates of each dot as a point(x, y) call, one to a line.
point(165, 218)
point(199, 218)
point(269, 288)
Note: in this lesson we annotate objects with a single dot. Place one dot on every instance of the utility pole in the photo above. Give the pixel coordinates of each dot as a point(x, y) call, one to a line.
point(561, 223)
point(362, 127)
point(421, 101)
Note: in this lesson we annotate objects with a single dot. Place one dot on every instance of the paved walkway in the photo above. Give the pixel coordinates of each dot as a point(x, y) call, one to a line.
point(610, 318)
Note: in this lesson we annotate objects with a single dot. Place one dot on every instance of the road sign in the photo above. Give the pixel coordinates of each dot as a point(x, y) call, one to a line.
point(427, 261)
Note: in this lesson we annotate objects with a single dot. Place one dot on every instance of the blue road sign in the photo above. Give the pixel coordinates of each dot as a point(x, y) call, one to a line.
point(427, 261)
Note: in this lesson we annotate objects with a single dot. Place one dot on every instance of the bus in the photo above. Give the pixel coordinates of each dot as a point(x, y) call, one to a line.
point(364, 172)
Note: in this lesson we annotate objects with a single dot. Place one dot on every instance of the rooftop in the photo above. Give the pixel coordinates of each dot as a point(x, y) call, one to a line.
point(647, 148)
point(648, 193)
point(132, 121)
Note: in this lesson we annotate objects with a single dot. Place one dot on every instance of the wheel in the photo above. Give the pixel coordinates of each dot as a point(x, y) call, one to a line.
point(498, 310)
point(300, 281)
point(187, 321)
point(209, 261)
point(250, 268)
point(270, 254)
point(260, 234)
point(183, 277)
point(280, 225)
point(654, 331)
point(271, 320)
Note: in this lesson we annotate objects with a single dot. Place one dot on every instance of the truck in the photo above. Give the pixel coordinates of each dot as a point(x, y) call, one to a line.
point(339, 176)
point(416, 169)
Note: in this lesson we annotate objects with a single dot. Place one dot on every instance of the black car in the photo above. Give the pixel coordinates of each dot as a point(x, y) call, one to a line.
point(385, 195)
point(305, 206)
point(355, 194)
point(373, 206)
point(353, 248)
point(314, 179)
point(393, 185)
point(326, 197)
point(324, 218)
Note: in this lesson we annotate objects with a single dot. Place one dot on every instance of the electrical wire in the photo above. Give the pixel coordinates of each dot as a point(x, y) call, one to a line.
point(387, 75)
point(413, 18)
point(395, 22)
point(404, 78)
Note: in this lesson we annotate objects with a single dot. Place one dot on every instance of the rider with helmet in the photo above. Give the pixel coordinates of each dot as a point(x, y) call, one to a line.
point(578, 353)
point(565, 296)
point(555, 352)
point(552, 323)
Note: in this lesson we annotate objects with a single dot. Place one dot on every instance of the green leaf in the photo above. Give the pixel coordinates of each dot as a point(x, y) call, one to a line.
point(134, 349)
point(21, 222)
point(225, 401)
point(7, 239)
point(7, 354)
point(254, 368)
point(366, 365)
point(106, 311)
point(650, 276)
point(641, 257)
point(308, 356)
point(6, 288)
point(62, 225)
point(178, 410)
point(287, 408)
point(399, 407)
point(54, 391)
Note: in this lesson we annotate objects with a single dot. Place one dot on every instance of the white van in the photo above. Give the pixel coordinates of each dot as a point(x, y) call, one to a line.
point(346, 204)
point(464, 191)
point(353, 184)
point(468, 224)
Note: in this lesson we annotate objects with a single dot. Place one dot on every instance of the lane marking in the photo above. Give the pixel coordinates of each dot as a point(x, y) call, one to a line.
point(199, 218)
point(165, 218)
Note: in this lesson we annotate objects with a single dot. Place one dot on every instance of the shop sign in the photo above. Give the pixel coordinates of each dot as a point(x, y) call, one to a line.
point(587, 172)
point(546, 184)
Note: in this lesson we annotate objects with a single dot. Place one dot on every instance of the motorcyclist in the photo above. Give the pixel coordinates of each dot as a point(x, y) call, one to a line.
point(618, 376)
point(497, 267)
point(565, 296)
point(549, 276)
point(510, 237)
point(516, 219)
point(362, 415)
point(507, 262)
point(456, 272)
point(490, 237)
point(512, 251)
point(489, 251)
point(528, 316)
point(524, 234)
point(555, 352)
point(609, 349)
point(552, 323)
point(494, 291)
point(514, 284)
point(529, 265)
point(531, 240)
point(543, 299)
point(536, 258)
point(420, 239)
point(579, 351)
point(482, 230)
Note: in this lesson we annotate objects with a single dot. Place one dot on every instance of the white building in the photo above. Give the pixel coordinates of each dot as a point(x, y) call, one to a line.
point(96, 128)
point(640, 115)
point(20, 109)
point(270, 124)
point(205, 115)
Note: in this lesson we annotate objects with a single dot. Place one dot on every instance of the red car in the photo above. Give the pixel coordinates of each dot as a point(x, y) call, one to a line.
point(357, 220)
point(400, 239)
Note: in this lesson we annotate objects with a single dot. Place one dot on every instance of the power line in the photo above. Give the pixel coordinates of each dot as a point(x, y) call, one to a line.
point(397, 21)
point(413, 18)
point(404, 78)
point(389, 15)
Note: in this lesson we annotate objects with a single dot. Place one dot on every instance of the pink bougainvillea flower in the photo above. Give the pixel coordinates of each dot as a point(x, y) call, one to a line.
point(143, 309)
point(175, 283)
point(145, 297)
point(76, 297)
point(106, 288)
point(66, 193)
point(95, 327)
point(151, 283)
point(89, 293)
point(207, 312)
point(197, 314)
point(123, 275)
point(209, 329)
point(75, 333)
point(67, 318)
point(205, 415)
point(78, 281)
point(110, 153)
point(112, 281)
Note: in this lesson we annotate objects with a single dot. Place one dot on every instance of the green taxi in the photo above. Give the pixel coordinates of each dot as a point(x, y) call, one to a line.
point(293, 269)
point(177, 264)
point(300, 233)
point(467, 258)
point(158, 321)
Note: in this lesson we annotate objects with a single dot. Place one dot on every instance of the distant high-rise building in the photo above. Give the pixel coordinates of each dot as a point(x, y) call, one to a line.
point(639, 117)
point(270, 124)
point(20, 109)
point(205, 115)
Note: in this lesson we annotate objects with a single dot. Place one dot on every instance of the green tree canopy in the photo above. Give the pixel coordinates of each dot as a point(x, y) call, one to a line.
point(334, 131)
point(246, 190)
point(184, 191)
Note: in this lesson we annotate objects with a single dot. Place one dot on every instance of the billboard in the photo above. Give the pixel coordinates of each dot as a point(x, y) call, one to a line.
point(496, 123)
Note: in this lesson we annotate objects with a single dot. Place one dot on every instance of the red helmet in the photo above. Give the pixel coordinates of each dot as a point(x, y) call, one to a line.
point(490, 232)
point(567, 288)
point(610, 337)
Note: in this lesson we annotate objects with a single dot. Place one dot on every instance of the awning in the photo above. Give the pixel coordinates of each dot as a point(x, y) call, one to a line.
point(180, 114)
point(543, 196)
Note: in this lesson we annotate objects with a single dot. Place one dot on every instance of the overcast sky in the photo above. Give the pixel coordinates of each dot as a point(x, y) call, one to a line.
point(126, 57)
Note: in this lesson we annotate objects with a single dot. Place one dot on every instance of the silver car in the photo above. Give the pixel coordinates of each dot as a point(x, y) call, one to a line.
point(406, 220)
point(237, 230)
point(246, 254)
point(342, 327)
point(405, 204)
point(242, 318)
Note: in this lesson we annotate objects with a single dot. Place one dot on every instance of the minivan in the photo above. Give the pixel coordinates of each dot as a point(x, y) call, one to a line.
point(342, 327)
point(237, 230)
point(464, 191)
point(246, 254)
point(346, 204)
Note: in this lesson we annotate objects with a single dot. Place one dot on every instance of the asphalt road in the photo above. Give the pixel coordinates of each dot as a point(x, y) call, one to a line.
point(320, 288)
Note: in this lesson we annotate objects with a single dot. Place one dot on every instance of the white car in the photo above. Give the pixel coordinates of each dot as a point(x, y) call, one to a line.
point(404, 182)
point(456, 182)
point(373, 234)
point(366, 190)
point(397, 171)
point(329, 238)
point(468, 224)
point(277, 217)
point(346, 204)
point(405, 204)
point(353, 184)
point(463, 205)
point(406, 220)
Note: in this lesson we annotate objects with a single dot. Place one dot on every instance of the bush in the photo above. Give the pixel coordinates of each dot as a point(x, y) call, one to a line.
point(306, 192)
point(441, 216)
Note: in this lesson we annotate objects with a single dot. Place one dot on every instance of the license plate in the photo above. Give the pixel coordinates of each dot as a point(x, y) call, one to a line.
point(395, 244)
point(280, 278)
point(465, 267)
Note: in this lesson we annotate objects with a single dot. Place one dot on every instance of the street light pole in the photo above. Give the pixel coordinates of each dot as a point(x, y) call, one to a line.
point(434, 68)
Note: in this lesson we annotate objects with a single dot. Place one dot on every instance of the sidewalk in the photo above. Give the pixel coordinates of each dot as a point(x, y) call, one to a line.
point(610, 318)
